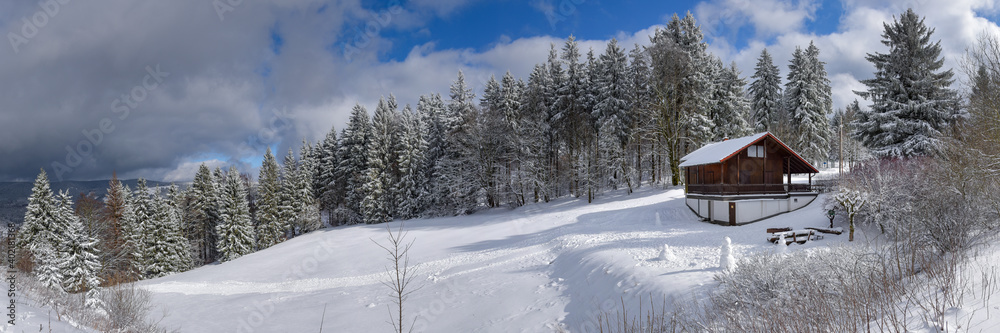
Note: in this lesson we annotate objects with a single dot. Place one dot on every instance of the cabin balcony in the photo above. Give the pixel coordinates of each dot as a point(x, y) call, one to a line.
point(744, 189)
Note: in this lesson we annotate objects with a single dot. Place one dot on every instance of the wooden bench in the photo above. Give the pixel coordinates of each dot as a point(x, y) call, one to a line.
point(794, 236)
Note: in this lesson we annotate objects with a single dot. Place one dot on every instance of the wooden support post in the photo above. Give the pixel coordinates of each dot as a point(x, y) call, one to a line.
point(788, 164)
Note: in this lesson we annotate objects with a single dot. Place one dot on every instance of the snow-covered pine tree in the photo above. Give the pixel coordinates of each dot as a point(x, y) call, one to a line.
point(81, 262)
point(589, 165)
point(730, 105)
point(54, 249)
point(116, 255)
point(201, 228)
point(172, 250)
point(910, 95)
point(554, 134)
point(353, 167)
point(535, 134)
point(39, 218)
point(395, 136)
point(378, 184)
point(411, 190)
point(288, 195)
point(815, 128)
point(613, 117)
point(643, 134)
point(808, 101)
point(270, 225)
point(457, 170)
point(47, 265)
point(765, 94)
point(236, 234)
point(682, 88)
point(139, 230)
point(493, 144)
point(571, 119)
point(796, 94)
point(327, 188)
point(515, 154)
point(306, 206)
point(436, 122)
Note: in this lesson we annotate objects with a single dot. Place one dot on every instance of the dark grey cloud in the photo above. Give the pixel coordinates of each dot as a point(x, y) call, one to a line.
point(151, 89)
point(92, 87)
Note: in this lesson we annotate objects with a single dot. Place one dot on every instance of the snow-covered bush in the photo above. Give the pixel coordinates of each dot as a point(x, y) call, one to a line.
point(841, 289)
point(945, 203)
point(122, 308)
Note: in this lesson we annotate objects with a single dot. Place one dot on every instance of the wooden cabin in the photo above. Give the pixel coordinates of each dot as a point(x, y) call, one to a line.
point(747, 179)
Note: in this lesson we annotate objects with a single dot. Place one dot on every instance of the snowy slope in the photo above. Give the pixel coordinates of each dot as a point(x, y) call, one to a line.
point(535, 269)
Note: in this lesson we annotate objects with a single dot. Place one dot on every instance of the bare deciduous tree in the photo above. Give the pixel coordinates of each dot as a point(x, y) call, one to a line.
point(400, 274)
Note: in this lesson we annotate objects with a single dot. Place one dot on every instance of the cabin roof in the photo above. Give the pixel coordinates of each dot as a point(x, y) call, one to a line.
point(721, 151)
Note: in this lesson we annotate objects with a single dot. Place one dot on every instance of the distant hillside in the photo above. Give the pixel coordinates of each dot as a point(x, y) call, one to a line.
point(14, 195)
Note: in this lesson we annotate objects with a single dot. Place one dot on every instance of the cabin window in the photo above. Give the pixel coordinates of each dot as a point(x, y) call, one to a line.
point(755, 151)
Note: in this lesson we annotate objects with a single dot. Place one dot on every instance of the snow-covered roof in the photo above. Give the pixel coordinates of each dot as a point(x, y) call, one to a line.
point(720, 151)
point(716, 152)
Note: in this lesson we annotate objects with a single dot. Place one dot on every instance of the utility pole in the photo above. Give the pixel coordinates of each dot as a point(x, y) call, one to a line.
point(841, 164)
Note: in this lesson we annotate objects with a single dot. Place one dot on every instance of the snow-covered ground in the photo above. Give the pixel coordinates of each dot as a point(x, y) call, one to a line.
point(540, 268)
point(534, 269)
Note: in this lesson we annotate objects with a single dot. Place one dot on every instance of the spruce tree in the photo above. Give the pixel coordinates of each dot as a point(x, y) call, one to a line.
point(492, 144)
point(270, 225)
point(115, 257)
point(765, 94)
point(910, 95)
point(376, 206)
point(730, 105)
point(681, 86)
point(287, 206)
point(81, 263)
point(236, 234)
point(808, 101)
point(48, 265)
point(457, 170)
point(411, 190)
point(171, 248)
point(354, 163)
point(328, 190)
point(205, 205)
point(643, 115)
point(40, 217)
point(436, 122)
point(613, 116)
point(307, 208)
point(137, 229)
point(533, 143)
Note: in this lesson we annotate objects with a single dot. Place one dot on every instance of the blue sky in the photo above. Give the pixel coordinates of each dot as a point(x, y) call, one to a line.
point(270, 73)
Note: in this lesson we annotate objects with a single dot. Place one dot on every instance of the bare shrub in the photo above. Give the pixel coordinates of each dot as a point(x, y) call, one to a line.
point(122, 308)
point(126, 307)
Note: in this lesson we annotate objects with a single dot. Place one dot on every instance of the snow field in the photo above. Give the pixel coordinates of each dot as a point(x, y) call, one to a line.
point(540, 268)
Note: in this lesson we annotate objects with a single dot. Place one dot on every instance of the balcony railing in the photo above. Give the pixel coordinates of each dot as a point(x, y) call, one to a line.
point(739, 189)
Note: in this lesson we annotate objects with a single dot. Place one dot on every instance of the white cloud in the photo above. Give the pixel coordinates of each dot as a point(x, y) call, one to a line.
point(957, 24)
point(767, 17)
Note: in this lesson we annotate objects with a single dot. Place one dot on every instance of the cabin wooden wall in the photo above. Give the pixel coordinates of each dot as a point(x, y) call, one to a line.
point(743, 169)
